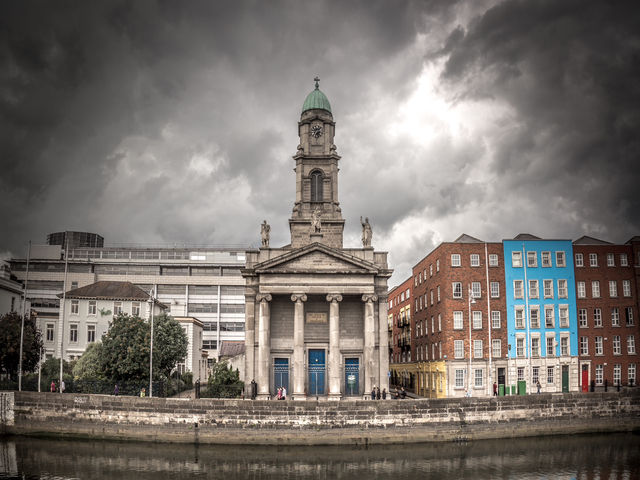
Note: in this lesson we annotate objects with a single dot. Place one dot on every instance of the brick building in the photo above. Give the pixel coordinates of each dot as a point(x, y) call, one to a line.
point(607, 303)
point(402, 359)
point(459, 317)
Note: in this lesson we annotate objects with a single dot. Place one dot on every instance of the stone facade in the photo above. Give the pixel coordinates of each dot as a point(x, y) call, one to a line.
point(316, 312)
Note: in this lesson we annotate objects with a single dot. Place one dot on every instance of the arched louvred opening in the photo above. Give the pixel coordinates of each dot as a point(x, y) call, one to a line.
point(316, 186)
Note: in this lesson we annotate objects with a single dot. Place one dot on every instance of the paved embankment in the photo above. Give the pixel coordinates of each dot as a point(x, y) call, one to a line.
point(313, 422)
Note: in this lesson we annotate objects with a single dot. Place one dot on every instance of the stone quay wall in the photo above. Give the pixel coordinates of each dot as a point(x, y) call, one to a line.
point(361, 422)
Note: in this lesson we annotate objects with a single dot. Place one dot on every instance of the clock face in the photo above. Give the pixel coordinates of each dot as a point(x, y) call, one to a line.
point(316, 131)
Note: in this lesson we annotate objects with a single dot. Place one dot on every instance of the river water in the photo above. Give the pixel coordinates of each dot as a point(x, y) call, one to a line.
point(612, 456)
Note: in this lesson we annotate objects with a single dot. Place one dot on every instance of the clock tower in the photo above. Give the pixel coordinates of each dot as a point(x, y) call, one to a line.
point(316, 215)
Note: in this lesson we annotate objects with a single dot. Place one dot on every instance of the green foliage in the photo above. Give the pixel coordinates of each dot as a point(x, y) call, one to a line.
point(50, 371)
point(169, 344)
point(222, 374)
point(89, 366)
point(187, 378)
point(10, 325)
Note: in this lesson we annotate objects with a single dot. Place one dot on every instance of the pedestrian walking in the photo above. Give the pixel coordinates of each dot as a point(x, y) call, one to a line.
point(62, 388)
point(377, 393)
point(284, 393)
point(373, 393)
point(116, 390)
point(53, 386)
point(538, 386)
point(495, 389)
point(384, 393)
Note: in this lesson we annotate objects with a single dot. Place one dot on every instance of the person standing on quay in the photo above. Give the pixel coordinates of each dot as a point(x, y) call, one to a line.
point(538, 386)
point(384, 393)
point(495, 389)
point(373, 393)
point(143, 392)
point(53, 386)
point(284, 393)
point(116, 390)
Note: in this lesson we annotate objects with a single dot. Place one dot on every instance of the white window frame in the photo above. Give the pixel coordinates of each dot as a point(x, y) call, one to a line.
point(549, 317)
point(624, 260)
point(495, 289)
point(545, 259)
point(438, 293)
point(493, 260)
point(583, 318)
point(519, 317)
point(616, 345)
point(579, 261)
point(495, 319)
point(458, 349)
point(478, 381)
point(535, 346)
point(477, 349)
point(565, 348)
point(631, 373)
point(548, 288)
point(459, 378)
point(516, 259)
point(599, 374)
point(584, 346)
point(550, 375)
point(91, 329)
point(518, 289)
point(597, 318)
point(476, 315)
point(561, 260)
point(474, 258)
point(613, 289)
point(75, 307)
point(593, 259)
point(73, 333)
point(534, 316)
point(563, 291)
point(615, 317)
point(455, 260)
point(550, 345)
point(117, 308)
point(595, 288)
point(611, 260)
point(563, 316)
point(135, 309)
point(626, 288)
point(520, 347)
point(476, 289)
point(458, 320)
point(598, 345)
point(617, 374)
point(532, 259)
point(631, 345)
point(50, 332)
point(582, 290)
point(496, 348)
point(533, 289)
point(629, 322)
point(456, 289)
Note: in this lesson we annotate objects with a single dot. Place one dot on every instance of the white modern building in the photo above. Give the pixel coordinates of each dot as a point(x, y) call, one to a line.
point(11, 292)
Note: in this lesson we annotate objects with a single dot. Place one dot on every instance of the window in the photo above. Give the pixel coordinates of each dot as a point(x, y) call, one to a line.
point(415, 281)
point(475, 260)
point(497, 348)
point(533, 288)
point(617, 371)
point(91, 308)
point(477, 320)
point(437, 265)
point(584, 346)
point(316, 186)
point(560, 259)
point(458, 348)
point(117, 308)
point(535, 347)
point(597, 317)
point(595, 289)
point(624, 261)
point(534, 315)
point(631, 345)
point(579, 260)
point(439, 322)
point(546, 259)
point(495, 289)
point(431, 294)
point(532, 259)
point(457, 291)
point(582, 290)
point(73, 333)
point(459, 378)
point(430, 270)
point(519, 317)
point(599, 347)
point(457, 321)
point(599, 374)
point(517, 289)
point(91, 333)
point(74, 307)
point(478, 378)
point(438, 292)
point(209, 344)
point(520, 374)
point(516, 259)
point(455, 259)
point(562, 289)
point(477, 349)
point(432, 326)
point(593, 259)
point(493, 260)
point(615, 317)
point(629, 316)
point(611, 262)
point(582, 318)
point(402, 297)
point(50, 332)
point(626, 288)
point(535, 375)
point(520, 347)
point(613, 288)
point(548, 288)
point(135, 309)
point(563, 314)
point(551, 346)
point(631, 374)
point(617, 350)
point(549, 321)
point(74, 285)
point(564, 346)
point(475, 290)
point(495, 319)
point(550, 371)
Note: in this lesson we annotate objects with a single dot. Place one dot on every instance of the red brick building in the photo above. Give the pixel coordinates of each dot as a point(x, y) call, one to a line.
point(607, 304)
point(400, 328)
point(450, 328)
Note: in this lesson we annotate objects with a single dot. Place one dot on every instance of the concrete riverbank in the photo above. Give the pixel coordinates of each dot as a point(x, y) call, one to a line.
point(316, 422)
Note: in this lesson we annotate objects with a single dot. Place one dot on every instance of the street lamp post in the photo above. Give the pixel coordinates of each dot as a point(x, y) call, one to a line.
point(151, 305)
point(472, 300)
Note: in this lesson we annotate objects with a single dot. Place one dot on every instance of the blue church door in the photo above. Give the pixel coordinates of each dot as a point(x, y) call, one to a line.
point(352, 376)
point(316, 372)
point(281, 373)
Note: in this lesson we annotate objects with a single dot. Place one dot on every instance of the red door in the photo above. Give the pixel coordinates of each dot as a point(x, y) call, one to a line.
point(585, 378)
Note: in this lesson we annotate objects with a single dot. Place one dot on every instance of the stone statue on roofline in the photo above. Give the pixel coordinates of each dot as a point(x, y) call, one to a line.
point(367, 233)
point(315, 221)
point(265, 230)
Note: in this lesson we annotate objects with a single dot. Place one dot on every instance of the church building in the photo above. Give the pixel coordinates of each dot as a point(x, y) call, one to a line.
point(316, 312)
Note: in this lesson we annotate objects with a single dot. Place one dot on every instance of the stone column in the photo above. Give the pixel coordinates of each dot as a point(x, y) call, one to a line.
point(298, 345)
point(383, 342)
point(264, 344)
point(334, 346)
point(249, 342)
point(370, 374)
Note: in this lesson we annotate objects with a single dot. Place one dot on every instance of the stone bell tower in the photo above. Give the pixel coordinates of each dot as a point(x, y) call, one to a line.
point(316, 215)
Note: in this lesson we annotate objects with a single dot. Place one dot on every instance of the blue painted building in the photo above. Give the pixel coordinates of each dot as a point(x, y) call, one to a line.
point(542, 326)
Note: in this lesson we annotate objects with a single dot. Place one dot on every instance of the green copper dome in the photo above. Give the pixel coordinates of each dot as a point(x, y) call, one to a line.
point(316, 100)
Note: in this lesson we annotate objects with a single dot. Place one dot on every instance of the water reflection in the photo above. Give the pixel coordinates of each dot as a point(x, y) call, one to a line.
point(580, 457)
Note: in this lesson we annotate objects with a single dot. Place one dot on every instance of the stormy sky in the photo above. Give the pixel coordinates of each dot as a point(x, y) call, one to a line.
point(174, 122)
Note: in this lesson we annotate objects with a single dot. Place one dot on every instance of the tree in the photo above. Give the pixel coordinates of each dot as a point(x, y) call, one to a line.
point(10, 325)
point(89, 365)
point(125, 347)
point(223, 374)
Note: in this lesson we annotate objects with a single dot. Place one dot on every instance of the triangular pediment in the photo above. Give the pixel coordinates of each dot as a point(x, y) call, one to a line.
point(317, 259)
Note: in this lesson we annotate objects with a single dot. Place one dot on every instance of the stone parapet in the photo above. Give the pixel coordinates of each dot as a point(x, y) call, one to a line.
point(317, 422)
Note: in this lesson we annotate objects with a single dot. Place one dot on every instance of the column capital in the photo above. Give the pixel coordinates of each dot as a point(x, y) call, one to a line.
point(369, 297)
point(334, 297)
point(263, 297)
point(299, 297)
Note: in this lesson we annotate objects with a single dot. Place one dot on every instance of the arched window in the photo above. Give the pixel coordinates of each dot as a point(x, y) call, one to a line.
point(316, 186)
